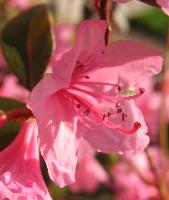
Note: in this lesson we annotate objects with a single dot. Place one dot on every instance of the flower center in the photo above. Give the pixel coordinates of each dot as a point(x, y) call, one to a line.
point(97, 106)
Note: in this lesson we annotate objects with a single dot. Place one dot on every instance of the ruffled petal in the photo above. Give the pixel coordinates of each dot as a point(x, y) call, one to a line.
point(90, 42)
point(127, 62)
point(109, 140)
point(46, 87)
point(58, 138)
point(20, 175)
point(90, 36)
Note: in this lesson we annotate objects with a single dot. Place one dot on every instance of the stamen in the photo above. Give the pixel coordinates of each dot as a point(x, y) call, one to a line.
point(119, 110)
point(87, 77)
point(95, 83)
point(108, 114)
point(142, 90)
point(123, 116)
point(99, 117)
point(135, 128)
point(119, 89)
point(78, 105)
point(86, 113)
point(117, 105)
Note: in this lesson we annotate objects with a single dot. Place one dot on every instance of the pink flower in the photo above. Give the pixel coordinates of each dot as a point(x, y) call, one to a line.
point(88, 95)
point(63, 35)
point(89, 173)
point(20, 175)
point(149, 103)
point(164, 4)
point(127, 184)
point(11, 88)
point(134, 178)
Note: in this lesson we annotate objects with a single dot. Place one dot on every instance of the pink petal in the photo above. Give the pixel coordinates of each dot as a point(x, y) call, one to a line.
point(90, 42)
point(58, 138)
point(128, 62)
point(46, 87)
point(63, 34)
point(90, 37)
point(20, 175)
point(111, 141)
point(164, 5)
point(11, 88)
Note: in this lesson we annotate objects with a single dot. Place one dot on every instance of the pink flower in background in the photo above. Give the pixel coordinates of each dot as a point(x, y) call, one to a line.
point(21, 3)
point(64, 36)
point(149, 103)
point(11, 88)
point(20, 175)
point(133, 177)
point(89, 173)
point(89, 96)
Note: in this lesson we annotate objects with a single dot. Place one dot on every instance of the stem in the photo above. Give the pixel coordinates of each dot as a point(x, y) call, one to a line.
point(161, 183)
point(109, 10)
point(163, 114)
point(18, 113)
point(105, 10)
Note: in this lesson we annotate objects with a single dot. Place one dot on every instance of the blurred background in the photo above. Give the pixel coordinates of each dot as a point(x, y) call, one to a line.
point(144, 176)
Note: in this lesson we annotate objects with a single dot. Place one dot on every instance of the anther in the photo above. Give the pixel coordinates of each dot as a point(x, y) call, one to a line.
point(137, 125)
point(108, 114)
point(123, 116)
point(119, 89)
point(142, 90)
point(87, 77)
point(117, 105)
point(86, 112)
point(78, 105)
point(119, 110)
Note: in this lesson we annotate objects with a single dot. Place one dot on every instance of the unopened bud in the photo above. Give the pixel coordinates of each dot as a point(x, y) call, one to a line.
point(3, 118)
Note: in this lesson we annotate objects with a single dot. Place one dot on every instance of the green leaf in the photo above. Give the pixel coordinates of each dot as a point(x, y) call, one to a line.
point(9, 104)
point(152, 20)
point(8, 133)
point(27, 44)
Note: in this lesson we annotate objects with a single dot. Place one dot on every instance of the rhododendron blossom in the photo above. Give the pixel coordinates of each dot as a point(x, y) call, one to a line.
point(20, 175)
point(89, 95)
